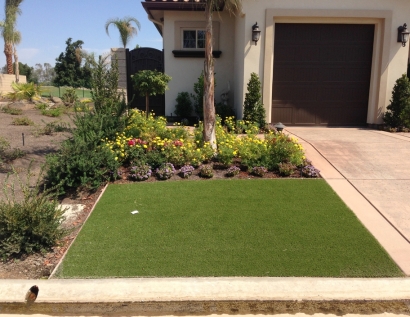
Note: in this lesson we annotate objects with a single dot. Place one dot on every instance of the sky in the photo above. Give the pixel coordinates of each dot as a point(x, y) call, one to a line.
point(45, 26)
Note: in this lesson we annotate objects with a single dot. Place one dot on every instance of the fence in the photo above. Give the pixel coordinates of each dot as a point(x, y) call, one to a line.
point(59, 91)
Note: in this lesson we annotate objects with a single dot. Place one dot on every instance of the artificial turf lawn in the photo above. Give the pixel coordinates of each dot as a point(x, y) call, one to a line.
point(262, 227)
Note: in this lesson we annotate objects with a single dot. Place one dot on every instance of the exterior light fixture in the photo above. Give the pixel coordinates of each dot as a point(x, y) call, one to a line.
point(403, 35)
point(279, 126)
point(256, 33)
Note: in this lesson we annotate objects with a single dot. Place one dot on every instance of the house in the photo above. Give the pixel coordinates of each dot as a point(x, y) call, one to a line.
point(321, 62)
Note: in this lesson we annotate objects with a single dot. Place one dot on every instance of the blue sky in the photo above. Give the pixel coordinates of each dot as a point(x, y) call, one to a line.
point(45, 25)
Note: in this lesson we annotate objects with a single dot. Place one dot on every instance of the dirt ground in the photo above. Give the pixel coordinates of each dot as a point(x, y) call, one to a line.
point(37, 146)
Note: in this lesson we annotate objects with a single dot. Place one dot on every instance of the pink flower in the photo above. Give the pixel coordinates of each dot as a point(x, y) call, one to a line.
point(131, 142)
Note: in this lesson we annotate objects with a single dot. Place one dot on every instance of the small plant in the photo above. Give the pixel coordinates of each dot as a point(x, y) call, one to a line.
point(183, 108)
point(140, 172)
point(258, 171)
point(12, 111)
point(41, 106)
point(232, 171)
point(51, 127)
point(165, 171)
point(70, 97)
point(22, 121)
point(186, 171)
point(51, 112)
point(31, 224)
point(206, 171)
point(310, 171)
point(286, 169)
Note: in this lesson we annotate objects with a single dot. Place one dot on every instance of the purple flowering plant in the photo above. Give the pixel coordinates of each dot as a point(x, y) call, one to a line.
point(232, 171)
point(259, 171)
point(186, 171)
point(140, 172)
point(310, 171)
point(165, 171)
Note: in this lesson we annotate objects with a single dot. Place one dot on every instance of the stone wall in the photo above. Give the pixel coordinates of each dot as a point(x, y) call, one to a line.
point(6, 80)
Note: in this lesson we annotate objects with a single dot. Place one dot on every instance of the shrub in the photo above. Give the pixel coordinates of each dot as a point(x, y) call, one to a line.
point(186, 171)
point(198, 96)
point(31, 224)
point(206, 171)
point(183, 108)
point(165, 171)
point(83, 161)
point(286, 169)
point(253, 107)
point(70, 96)
point(232, 171)
point(12, 111)
point(140, 172)
point(258, 171)
point(80, 165)
point(22, 121)
point(398, 111)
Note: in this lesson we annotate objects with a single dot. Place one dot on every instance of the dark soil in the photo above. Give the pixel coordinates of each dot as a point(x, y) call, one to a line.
point(37, 146)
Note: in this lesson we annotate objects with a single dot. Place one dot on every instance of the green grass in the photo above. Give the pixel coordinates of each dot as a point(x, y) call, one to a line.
point(288, 227)
point(59, 91)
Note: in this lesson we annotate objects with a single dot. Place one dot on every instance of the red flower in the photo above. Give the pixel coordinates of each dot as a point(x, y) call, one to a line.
point(131, 142)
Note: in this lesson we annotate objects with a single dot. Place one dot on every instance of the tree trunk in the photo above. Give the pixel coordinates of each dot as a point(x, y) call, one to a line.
point(16, 63)
point(8, 51)
point(209, 107)
point(147, 104)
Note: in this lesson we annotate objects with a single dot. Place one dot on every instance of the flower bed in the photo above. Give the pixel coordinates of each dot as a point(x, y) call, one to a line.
point(149, 143)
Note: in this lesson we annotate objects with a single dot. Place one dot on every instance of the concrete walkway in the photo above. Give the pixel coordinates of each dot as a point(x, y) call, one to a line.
point(370, 171)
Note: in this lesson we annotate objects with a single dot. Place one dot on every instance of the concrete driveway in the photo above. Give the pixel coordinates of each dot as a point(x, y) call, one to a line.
point(376, 164)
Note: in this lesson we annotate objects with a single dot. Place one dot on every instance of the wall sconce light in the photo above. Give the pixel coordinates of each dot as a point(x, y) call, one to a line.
point(403, 35)
point(256, 33)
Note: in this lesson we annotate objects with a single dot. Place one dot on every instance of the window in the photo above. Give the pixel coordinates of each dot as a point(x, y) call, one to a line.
point(193, 39)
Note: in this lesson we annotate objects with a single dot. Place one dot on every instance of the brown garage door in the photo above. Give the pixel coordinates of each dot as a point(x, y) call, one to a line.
point(321, 73)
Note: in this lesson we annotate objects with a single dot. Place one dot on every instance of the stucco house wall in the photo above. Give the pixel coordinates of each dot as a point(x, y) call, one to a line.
point(240, 56)
point(6, 81)
point(186, 70)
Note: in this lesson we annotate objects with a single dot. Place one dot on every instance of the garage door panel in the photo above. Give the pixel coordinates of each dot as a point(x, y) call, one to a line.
point(323, 77)
point(284, 115)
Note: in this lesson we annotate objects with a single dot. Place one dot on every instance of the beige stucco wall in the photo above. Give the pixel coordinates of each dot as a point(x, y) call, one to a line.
point(185, 71)
point(389, 57)
point(6, 80)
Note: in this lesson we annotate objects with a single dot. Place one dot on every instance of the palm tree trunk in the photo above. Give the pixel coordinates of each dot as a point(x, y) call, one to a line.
point(147, 104)
point(8, 51)
point(16, 63)
point(209, 107)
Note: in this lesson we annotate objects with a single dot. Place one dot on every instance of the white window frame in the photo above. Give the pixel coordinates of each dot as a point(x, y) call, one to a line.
point(196, 39)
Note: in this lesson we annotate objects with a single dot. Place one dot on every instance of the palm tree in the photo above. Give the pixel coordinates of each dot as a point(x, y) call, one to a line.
point(232, 6)
point(10, 35)
point(124, 26)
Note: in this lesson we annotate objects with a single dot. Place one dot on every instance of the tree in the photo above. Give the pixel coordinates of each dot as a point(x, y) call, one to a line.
point(69, 70)
point(253, 107)
point(43, 73)
point(150, 83)
point(398, 111)
point(209, 108)
point(124, 26)
point(10, 35)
